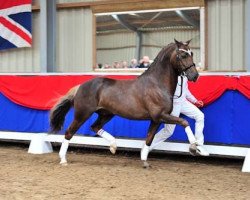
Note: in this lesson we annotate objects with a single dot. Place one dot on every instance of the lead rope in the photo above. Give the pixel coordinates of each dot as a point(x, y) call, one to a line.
point(177, 97)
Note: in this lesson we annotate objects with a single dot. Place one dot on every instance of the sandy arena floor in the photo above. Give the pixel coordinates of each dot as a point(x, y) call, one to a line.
point(96, 174)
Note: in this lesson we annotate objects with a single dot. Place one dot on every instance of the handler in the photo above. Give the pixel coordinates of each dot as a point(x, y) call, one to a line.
point(184, 103)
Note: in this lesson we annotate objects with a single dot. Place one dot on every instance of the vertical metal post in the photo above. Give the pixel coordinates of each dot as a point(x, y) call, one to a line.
point(43, 35)
point(202, 37)
point(138, 45)
point(47, 35)
point(51, 35)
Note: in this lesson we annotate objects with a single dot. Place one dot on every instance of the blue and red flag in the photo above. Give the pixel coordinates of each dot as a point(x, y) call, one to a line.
point(15, 24)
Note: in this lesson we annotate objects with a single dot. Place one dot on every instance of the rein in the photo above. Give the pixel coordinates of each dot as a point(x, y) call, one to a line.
point(177, 97)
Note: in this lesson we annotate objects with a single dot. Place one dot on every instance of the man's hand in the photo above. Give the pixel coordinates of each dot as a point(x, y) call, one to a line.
point(199, 103)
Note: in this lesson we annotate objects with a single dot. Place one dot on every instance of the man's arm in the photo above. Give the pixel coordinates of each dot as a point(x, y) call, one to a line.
point(192, 99)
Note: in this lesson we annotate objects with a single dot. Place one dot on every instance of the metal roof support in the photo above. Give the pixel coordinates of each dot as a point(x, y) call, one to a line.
point(187, 19)
point(134, 29)
point(124, 23)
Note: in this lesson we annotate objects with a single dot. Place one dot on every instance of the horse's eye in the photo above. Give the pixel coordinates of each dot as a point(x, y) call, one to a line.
point(184, 55)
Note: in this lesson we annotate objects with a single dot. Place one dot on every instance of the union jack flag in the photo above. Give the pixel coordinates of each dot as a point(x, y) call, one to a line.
point(15, 24)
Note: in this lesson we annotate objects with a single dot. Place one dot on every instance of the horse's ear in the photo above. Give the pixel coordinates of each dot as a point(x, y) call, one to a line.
point(178, 43)
point(187, 42)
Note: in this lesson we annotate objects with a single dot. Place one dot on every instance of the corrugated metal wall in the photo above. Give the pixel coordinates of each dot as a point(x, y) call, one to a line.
point(115, 47)
point(163, 38)
point(23, 59)
point(225, 34)
point(121, 46)
point(74, 40)
point(225, 37)
point(74, 44)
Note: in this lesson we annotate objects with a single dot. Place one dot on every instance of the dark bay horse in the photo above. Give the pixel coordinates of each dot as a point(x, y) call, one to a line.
point(148, 97)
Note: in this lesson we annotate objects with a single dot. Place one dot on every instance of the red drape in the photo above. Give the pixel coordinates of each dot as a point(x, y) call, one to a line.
point(210, 88)
point(41, 92)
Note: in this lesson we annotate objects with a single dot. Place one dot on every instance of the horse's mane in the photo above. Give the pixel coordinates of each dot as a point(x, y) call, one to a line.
point(163, 55)
point(165, 52)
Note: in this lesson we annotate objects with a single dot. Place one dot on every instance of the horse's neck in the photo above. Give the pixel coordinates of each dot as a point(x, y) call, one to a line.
point(170, 79)
point(165, 76)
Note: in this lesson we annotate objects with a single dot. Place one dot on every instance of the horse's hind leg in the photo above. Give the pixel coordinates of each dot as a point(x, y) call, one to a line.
point(102, 119)
point(150, 136)
point(79, 119)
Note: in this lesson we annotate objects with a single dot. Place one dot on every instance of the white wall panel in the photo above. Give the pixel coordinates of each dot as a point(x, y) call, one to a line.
point(74, 40)
point(225, 35)
point(23, 59)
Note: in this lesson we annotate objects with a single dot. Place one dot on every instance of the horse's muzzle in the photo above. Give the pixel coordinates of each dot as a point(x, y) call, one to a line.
point(196, 77)
point(192, 73)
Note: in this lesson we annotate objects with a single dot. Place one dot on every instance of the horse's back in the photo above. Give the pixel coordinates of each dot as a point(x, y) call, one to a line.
point(99, 83)
point(102, 86)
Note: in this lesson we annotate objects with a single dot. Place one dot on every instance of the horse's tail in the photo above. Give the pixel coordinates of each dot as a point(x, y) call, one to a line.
point(61, 108)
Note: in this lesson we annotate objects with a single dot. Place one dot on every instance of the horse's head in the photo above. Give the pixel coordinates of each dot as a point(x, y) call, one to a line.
point(182, 60)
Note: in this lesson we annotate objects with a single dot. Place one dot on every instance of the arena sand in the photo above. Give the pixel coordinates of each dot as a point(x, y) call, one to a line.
point(96, 174)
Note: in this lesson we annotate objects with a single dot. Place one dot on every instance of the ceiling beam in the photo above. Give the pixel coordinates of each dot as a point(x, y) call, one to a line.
point(187, 19)
point(125, 24)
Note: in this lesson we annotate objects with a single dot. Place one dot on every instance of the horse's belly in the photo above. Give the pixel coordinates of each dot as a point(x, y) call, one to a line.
point(125, 105)
point(131, 113)
point(137, 116)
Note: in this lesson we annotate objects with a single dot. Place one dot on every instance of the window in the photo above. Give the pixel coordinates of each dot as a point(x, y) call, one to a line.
point(125, 36)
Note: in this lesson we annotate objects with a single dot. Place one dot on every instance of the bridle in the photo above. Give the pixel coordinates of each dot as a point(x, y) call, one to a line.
point(183, 72)
point(179, 59)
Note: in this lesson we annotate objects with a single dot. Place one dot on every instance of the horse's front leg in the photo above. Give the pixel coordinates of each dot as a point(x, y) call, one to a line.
point(150, 136)
point(169, 119)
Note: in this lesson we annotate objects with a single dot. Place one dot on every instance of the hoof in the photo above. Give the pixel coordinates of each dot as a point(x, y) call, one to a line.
point(193, 149)
point(145, 165)
point(63, 163)
point(113, 148)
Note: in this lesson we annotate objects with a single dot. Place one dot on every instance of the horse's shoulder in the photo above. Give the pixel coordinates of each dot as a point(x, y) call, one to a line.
point(103, 80)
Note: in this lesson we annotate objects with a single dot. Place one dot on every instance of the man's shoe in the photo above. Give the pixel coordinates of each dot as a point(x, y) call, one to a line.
point(201, 151)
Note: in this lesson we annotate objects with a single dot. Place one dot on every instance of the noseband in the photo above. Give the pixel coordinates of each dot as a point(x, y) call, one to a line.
point(187, 68)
